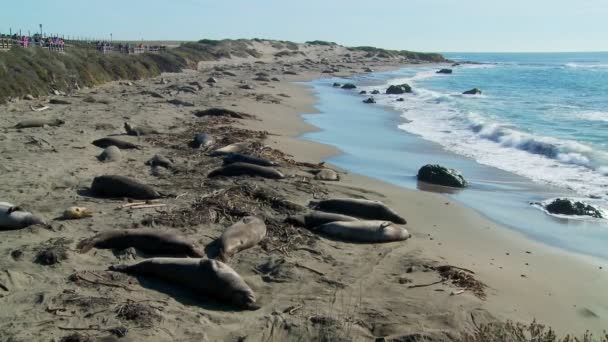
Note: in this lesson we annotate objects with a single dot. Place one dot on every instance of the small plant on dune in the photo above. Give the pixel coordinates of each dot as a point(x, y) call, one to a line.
point(518, 332)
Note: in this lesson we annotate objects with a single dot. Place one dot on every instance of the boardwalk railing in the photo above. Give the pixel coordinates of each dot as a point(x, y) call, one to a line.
point(7, 44)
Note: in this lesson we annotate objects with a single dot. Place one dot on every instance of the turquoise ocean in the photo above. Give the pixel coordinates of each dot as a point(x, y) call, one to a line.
point(538, 131)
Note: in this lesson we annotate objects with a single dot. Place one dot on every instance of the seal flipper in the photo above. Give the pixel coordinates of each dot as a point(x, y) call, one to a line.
point(13, 209)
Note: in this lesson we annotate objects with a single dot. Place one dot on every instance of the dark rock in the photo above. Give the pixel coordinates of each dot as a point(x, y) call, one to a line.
point(399, 89)
point(362, 92)
point(336, 84)
point(349, 86)
point(368, 70)
point(375, 92)
point(565, 206)
point(445, 71)
point(456, 64)
point(437, 174)
point(401, 99)
point(327, 72)
point(474, 91)
point(369, 100)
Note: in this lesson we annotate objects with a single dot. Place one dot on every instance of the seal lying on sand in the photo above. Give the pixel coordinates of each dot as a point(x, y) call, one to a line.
point(364, 231)
point(316, 218)
point(147, 241)
point(111, 141)
point(139, 130)
point(121, 186)
point(246, 233)
point(39, 123)
point(243, 158)
point(159, 160)
point(232, 148)
point(245, 169)
point(326, 175)
point(13, 217)
point(201, 140)
point(110, 154)
point(210, 278)
point(365, 209)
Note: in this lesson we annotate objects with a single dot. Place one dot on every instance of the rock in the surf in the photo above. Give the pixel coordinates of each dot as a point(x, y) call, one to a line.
point(569, 207)
point(369, 100)
point(399, 89)
point(437, 174)
point(445, 71)
point(349, 86)
point(474, 91)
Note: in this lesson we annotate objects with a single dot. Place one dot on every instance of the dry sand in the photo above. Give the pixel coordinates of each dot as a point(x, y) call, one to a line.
point(309, 287)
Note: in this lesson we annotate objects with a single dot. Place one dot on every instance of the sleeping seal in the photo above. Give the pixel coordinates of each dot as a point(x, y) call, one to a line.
point(121, 186)
point(161, 161)
point(245, 169)
point(243, 158)
point(147, 241)
point(111, 141)
point(210, 278)
point(13, 217)
point(365, 209)
point(110, 154)
point(39, 123)
point(364, 231)
point(139, 130)
point(201, 140)
point(316, 218)
point(232, 148)
point(326, 175)
point(246, 233)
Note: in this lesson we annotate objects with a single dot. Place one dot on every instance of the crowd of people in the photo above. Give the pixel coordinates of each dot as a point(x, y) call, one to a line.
point(52, 43)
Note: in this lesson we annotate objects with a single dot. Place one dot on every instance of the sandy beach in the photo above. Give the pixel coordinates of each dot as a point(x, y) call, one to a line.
point(309, 287)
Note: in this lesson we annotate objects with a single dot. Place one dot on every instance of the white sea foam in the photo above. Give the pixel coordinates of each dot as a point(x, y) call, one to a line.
point(587, 65)
point(593, 116)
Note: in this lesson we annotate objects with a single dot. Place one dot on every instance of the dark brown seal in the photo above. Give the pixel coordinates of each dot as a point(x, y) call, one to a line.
point(316, 218)
point(40, 123)
point(111, 141)
point(245, 169)
point(121, 186)
point(365, 209)
point(147, 241)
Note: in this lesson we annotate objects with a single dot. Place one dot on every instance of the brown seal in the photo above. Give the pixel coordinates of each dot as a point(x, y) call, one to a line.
point(316, 218)
point(246, 169)
point(121, 186)
point(211, 278)
point(364, 231)
point(365, 209)
point(39, 123)
point(147, 241)
point(246, 233)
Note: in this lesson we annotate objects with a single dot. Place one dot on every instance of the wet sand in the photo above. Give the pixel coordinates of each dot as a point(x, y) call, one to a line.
point(309, 286)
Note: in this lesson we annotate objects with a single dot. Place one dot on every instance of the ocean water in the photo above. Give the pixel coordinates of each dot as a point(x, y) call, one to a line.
point(538, 131)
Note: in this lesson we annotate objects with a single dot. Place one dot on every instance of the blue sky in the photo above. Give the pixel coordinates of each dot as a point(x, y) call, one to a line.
point(424, 25)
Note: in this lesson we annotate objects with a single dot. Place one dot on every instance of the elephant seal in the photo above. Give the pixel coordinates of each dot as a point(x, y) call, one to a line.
point(211, 278)
point(243, 158)
point(315, 218)
point(161, 161)
point(121, 186)
point(364, 231)
point(147, 241)
point(111, 141)
point(365, 209)
point(201, 140)
point(326, 175)
point(139, 130)
point(232, 148)
point(39, 123)
point(12, 217)
point(245, 169)
point(110, 154)
point(244, 234)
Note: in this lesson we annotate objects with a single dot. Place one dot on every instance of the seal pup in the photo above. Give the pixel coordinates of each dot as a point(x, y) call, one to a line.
point(245, 169)
point(121, 186)
point(110, 154)
point(39, 123)
point(244, 234)
point(210, 278)
point(139, 130)
point(111, 141)
point(361, 208)
point(201, 140)
point(364, 231)
point(147, 241)
point(326, 175)
point(316, 218)
point(13, 217)
point(243, 158)
point(232, 148)
point(161, 161)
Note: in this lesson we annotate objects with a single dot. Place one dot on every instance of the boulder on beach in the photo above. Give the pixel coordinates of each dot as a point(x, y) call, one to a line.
point(399, 89)
point(437, 174)
point(368, 70)
point(375, 92)
point(401, 99)
point(369, 100)
point(336, 84)
point(566, 206)
point(211, 80)
point(445, 71)
point(456, 64)
point(362, 92)
point(474, 91)
point(349, 86)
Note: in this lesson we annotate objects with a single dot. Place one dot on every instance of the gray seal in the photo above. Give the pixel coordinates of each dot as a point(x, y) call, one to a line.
point(111, 141)
point(161, 161)
point(364, 231)
point(245, 169)
point(12, 217)
point(210, 278)
point(39, 123)
point(203, 140)
point(243, 158)
point(361, 208)
point(232, 148)
point(147, 241)
point(316, 218)
point(110, 154)
point(244, 234)
point(121, 186)
point(139, 130)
